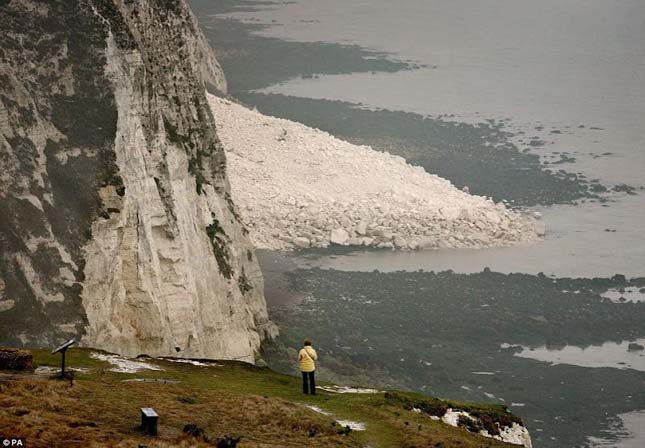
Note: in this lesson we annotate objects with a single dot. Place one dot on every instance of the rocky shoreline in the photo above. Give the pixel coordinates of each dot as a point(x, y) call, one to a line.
point(299, 187)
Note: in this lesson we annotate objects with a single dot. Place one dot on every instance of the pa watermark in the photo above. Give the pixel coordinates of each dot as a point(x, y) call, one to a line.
point(12, 441)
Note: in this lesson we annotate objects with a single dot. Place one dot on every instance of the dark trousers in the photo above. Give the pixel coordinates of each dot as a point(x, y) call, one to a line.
point(308, 383)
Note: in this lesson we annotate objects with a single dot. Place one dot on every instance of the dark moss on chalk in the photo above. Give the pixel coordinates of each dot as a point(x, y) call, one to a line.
point(219, 242)
point(68, 88)
point(243, 283)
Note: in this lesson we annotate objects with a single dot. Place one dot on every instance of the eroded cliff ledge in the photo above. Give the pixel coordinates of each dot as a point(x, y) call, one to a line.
point(117, 224)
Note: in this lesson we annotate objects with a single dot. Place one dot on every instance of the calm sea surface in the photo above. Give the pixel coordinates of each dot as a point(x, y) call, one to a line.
point(574, 67)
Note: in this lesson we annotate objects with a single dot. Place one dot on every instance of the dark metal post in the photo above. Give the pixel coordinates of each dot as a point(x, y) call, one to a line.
point(62, 349)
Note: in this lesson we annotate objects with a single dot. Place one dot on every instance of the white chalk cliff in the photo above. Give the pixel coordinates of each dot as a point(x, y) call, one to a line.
point(299, 187)
point(118, 226)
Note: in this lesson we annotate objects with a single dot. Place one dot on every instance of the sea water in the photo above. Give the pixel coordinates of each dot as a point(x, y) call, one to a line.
point(569, 73)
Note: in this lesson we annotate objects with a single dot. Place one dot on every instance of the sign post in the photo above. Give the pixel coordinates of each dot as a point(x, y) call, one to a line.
point(62, 349)
point(149, 420)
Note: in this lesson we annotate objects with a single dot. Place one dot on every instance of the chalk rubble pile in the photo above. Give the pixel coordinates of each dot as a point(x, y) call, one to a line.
point(298, 187)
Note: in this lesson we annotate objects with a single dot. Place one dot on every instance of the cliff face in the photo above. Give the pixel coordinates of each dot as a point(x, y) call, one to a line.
point(117, 224)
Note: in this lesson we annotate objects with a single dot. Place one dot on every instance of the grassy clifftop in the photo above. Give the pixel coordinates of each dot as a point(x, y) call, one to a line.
point(226, 399)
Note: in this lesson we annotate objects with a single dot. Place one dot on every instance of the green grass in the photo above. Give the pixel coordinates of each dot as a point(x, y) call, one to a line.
point(232, 398)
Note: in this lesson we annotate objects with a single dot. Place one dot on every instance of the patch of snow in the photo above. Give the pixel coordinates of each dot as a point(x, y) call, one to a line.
point(193, 362)
point(451, 417)
point(347, 390)
point(46, 370)
point(516, 434)
point(151, 380)
point(124, 365)
point(483, 373)
point(317, 409)
point(354, 426)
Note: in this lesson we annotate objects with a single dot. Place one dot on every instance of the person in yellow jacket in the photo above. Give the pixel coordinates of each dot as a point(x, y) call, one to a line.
point(306, 360)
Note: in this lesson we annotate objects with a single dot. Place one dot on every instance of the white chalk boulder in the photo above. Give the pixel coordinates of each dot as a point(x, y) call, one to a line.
point(339, 236)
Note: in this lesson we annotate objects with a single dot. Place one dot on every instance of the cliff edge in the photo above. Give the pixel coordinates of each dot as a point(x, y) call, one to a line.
point(116, 220)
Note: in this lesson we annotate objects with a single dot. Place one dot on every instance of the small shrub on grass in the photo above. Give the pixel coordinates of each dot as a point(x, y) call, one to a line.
point(228, 442)
point(430, 406)
point(470, 424)
point(15, 359)
point(193, 430)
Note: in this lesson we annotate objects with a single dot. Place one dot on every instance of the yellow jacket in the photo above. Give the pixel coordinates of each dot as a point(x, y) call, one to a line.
point(306, 358)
